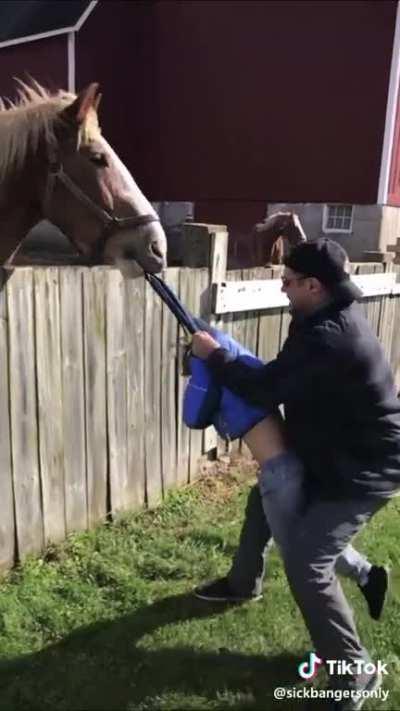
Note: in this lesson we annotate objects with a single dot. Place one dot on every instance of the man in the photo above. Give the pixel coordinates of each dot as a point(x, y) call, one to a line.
point(343, 421)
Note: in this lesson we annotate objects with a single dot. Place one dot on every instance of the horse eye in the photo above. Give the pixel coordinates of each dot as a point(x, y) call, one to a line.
point(99, 159)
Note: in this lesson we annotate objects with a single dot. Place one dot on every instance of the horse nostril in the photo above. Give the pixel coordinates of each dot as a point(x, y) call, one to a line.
point(129, 253)
point(155, 249)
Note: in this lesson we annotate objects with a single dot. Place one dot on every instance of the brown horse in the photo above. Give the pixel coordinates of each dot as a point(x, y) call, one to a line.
point(269, 236)
point(56, 165)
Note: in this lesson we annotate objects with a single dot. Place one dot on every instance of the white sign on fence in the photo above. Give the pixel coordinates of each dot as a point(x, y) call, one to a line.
point(233, 296)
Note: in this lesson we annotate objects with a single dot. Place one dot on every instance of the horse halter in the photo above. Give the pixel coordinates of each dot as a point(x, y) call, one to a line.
point(109, 220)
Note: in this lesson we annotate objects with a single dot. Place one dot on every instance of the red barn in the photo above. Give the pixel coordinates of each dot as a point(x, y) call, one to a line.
point(235, 106)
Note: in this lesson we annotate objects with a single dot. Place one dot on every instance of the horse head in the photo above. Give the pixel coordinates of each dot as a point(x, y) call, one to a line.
point(79, 183)
point(269, 234)
point(92, 197)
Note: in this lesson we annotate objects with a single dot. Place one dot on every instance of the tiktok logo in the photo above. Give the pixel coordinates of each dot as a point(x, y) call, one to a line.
point(308, 669)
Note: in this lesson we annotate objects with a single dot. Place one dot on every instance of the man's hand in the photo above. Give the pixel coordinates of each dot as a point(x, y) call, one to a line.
point(203, 344)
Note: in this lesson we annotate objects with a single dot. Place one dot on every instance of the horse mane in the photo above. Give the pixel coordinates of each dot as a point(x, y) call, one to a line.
point(30, 119)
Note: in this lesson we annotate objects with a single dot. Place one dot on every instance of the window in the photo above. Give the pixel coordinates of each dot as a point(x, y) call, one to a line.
point(338, 218)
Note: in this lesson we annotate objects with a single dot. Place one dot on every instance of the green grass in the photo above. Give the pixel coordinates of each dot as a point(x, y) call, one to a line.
point(107, 621)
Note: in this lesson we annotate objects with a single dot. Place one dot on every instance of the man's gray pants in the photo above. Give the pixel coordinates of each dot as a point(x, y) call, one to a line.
point(314, 540)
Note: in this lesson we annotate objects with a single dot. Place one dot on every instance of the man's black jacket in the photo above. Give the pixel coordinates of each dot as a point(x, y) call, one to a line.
point(341, 408)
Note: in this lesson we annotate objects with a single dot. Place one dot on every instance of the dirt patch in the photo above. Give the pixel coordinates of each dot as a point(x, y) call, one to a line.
point(221, 479)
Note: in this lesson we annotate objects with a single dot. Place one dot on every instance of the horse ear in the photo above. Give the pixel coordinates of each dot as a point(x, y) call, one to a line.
point(87, 99)
point(96, 103)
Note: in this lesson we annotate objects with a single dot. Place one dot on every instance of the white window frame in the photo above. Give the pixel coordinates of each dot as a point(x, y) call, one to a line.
point(325, 218)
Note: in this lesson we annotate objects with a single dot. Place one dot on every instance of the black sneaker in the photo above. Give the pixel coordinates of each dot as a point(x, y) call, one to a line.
point(219, 591)
point(375, 590)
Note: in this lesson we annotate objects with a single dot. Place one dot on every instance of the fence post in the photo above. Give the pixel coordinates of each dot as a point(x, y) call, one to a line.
point(207, 246)
point(204, 244)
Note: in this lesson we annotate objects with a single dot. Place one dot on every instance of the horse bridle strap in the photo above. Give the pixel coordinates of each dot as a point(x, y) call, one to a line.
point(109, 220)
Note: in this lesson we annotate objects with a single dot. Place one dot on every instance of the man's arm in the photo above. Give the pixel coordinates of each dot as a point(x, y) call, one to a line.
point(297, 368)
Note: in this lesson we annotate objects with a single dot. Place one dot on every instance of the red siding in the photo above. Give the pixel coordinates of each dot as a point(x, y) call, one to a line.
point(116, 47)
point(236, 101)
point(45, 60)
point(394, 178)
point(273, 100)
point(247, 101)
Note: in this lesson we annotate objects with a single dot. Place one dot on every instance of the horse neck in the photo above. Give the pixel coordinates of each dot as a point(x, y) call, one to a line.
point(19, 211)
point(273, 246)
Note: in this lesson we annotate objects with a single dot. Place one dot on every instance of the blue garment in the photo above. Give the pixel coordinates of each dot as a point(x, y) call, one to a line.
point(205, 402)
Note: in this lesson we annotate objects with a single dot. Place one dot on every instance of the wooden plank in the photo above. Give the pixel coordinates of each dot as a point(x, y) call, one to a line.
point(251, 332)
point(183, 432)
point(380, 310)
point(210, 440)
point(284, 330)
point(95, 393)
point(368, 304)
point(24, 426)
point(395, 348)
point(73, 384)
point(50, 409)
point(373, 304)
point(190, 441)
point(217, 274)
point(232, 322)
point(253, 317)
point(382, 321)
point(286, 316)
point(261, 294)
point(197, 243)
point(218, 256)
point(117, 405)
point(152, 396)
point(169, 375)
point(269, 331)
point(270, 322)
point(376, 303)
point(198, 281)
point(241, 327)
point(7, 522)
point(389, 318)
point(135, 297)
point(236, 327)
point(224, 322)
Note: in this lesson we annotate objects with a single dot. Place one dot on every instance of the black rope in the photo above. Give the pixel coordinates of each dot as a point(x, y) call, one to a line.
point(183, 316)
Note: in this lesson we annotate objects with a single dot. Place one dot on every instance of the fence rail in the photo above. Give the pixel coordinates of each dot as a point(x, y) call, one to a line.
point(91, 392)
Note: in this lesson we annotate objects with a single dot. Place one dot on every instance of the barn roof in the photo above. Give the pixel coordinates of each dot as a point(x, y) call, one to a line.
point(28, 20)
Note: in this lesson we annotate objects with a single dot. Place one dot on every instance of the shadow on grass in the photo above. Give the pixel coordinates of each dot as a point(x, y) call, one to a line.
point(102, 667)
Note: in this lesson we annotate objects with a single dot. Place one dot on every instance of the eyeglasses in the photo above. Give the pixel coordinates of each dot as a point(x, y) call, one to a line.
point(287, 281)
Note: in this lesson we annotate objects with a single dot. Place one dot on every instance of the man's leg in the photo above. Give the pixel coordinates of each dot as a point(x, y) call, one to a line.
point(310, 550)
point(351, 564)
point(245, 578)
point(246, 575)
point(283, 479)
point(284, 474)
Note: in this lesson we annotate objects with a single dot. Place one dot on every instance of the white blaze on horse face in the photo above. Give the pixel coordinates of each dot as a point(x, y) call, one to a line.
point(147, 243)
point(298, 226)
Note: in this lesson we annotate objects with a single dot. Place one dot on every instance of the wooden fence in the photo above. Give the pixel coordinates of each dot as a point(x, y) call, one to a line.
point(91, 393)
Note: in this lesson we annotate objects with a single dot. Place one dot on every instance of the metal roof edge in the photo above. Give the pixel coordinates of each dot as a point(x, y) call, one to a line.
point(52, 33)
